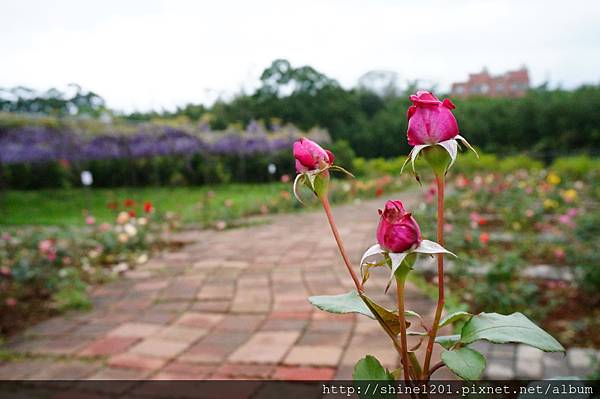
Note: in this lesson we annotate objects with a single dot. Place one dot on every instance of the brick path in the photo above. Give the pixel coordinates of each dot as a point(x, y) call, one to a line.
point(231, 304)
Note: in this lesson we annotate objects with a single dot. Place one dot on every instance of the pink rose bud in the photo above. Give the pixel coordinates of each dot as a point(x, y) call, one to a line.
point(10, 302)
point(430, 120)
point(398, 231)
point(311, 156)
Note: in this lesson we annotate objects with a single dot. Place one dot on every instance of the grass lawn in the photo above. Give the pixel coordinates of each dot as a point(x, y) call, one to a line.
point(66, 206)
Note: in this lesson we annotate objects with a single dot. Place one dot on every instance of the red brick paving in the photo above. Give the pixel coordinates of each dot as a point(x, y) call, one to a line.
point(133, 361)
point(108, 346)
point(304, 373)
point(230, 305)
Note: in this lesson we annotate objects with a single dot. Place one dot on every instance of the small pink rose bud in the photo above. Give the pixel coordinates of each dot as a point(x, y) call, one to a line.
point(430, 120)
point(10, 302)
point(311, 156)
point(398, 231)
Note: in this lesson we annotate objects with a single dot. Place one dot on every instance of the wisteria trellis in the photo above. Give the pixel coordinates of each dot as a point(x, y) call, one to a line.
point(43, 144)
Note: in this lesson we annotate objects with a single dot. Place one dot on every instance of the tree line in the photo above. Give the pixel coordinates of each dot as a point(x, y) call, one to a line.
point(371, 120)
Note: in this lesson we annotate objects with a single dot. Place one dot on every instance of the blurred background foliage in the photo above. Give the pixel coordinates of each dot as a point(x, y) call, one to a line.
point(47, 139)
point(368, 119)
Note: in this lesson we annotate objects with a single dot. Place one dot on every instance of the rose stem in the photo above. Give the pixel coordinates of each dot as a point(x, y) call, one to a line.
point(400, 348)
point(401, 318)
point(338, 239)
point(434, 368)
point(336, 234)
point(440, 264)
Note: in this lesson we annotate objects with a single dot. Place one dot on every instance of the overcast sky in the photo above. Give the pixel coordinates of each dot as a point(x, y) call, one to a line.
point(159, 54)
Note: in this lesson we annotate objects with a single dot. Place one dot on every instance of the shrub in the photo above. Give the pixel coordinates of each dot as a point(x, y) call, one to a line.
point(583, 251)
point(516, 162)
point(575, 166)
point(344, 154)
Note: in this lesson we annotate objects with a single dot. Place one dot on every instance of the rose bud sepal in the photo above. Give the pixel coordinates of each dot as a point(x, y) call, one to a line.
point(441, 155)
point(397, 259)
point(438, 159)
point(317, 180)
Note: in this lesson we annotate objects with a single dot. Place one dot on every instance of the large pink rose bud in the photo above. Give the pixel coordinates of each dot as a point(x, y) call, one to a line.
point(398, 231)
point(311, 156)
point(430, 120)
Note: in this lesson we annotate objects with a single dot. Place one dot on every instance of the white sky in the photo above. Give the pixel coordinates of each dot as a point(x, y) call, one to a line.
point(159, 54)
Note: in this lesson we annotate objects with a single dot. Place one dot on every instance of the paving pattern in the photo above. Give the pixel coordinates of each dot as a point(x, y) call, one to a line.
point(233, 305)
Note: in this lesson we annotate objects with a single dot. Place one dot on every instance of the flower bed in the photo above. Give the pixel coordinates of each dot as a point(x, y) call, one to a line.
point(528, 245)
point(48, 270)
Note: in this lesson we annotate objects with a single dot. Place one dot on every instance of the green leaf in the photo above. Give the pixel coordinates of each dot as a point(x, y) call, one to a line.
point(466, 363)
point(352, 302)
point(397, 373)
point(343, 303)
point(369, 368)
point(501, 329)
point(387, 318)
point(447, 341)
point(451, 318)
point(414, 362)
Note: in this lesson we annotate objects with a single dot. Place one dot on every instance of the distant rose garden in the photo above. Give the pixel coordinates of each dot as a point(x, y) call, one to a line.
point(511, 236)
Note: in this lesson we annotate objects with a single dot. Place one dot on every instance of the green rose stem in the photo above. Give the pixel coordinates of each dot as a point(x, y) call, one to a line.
point(338, 239)
point(401, 274)
point(440, 181)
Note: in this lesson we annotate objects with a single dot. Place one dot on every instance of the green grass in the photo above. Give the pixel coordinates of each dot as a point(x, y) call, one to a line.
point(66, 206)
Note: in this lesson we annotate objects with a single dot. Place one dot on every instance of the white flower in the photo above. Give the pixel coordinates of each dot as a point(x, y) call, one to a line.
point(130, 230)
point(121, 267)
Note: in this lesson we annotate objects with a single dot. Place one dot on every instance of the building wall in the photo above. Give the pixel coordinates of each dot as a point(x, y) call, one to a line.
point(510, 84)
